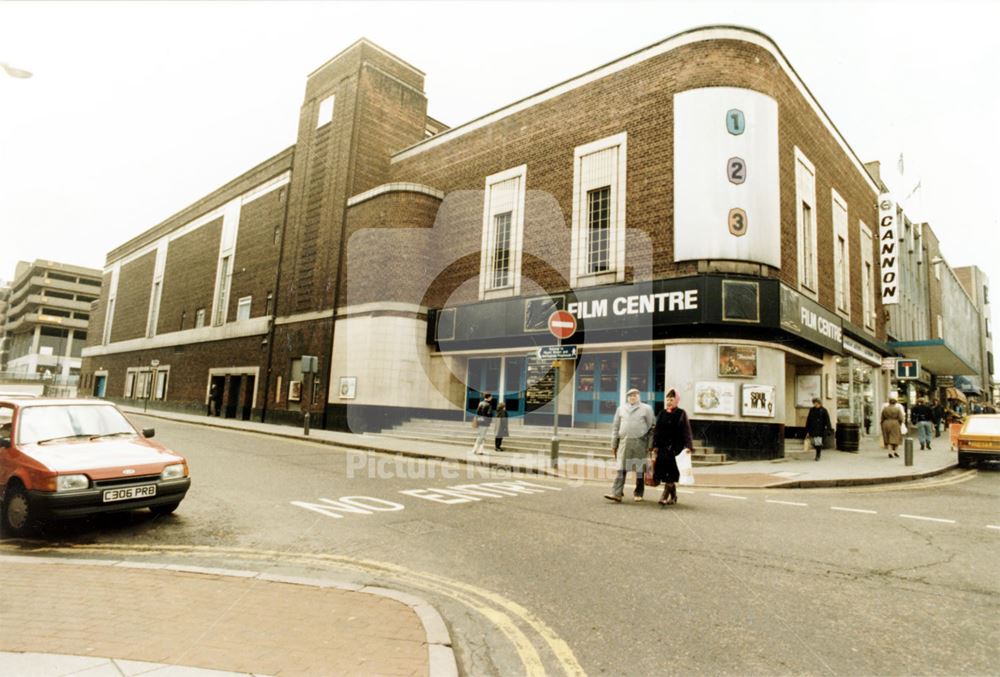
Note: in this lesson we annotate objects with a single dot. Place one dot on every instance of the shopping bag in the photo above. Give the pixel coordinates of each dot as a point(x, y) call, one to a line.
point(649, 477)
point(903, 429)
point(684, 465)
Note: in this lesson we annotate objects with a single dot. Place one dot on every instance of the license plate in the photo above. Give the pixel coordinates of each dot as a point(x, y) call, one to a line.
point(125, 493)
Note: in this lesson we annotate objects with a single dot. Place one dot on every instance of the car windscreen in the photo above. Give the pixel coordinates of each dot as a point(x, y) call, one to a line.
point(983, 426)
point(37, 424)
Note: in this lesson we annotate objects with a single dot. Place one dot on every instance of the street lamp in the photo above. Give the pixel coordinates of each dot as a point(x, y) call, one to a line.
point(15, 72)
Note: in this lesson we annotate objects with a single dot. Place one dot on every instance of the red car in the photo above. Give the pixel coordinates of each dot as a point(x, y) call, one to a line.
point(61, 459)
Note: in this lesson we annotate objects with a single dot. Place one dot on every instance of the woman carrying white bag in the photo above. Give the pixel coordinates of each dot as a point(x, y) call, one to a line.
point(672, 445)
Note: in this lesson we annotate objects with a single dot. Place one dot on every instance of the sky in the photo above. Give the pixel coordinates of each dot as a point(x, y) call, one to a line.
point(137, 109)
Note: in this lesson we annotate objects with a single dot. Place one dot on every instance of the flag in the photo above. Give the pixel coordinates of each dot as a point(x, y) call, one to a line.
point(915, 189)
point(899, 163)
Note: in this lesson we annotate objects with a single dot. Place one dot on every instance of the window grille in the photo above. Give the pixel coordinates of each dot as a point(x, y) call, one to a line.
point(598, 230)
point(501, 250)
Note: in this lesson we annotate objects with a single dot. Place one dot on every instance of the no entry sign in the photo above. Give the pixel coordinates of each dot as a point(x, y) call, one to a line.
point(562, 325)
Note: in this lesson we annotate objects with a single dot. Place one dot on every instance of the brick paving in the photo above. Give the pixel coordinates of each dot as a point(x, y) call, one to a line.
point(207, 621)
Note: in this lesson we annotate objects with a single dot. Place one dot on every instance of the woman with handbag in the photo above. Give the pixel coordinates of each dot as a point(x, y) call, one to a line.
point(671, 436)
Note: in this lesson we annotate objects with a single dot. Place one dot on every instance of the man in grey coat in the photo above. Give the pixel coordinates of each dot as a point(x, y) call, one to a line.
point(630, 444)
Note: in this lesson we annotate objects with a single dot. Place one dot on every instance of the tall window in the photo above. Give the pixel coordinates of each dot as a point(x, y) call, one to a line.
point(805, 193)
point(598, 230)
point(501, 250)
point(243, 308)
point(503, 233)
point(222, 292)
point(841, 256)
point(599, 181)
point(325, 113)
point(867, 278)
point(154, 310)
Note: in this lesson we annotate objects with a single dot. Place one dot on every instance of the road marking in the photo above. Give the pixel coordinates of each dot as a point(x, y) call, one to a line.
point(992, 526)
point(738, 498)
point(866, 512)
point(928, 519)
point(804, 505)
point(686, 491)
point(464, 593)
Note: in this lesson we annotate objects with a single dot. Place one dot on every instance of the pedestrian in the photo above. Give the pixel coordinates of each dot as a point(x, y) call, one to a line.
point(891, 420)
point(671, 436)
point(501, 431)
point(213, 403)
point(868, 418)
point(630, 434)
point(818, 425)
point(484, 416)
point(922, 416)
point(938, 412)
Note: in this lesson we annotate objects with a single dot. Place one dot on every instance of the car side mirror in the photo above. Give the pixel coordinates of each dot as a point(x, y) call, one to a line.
point(148, 432)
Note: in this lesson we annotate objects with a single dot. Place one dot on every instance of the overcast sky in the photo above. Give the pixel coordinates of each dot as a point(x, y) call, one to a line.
point(136, 109)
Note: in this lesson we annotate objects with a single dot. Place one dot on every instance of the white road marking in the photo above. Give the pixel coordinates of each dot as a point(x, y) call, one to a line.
point(928, 519)
point(866, 512)
point(804, 505)
point(992, 526)
point(686, 491)
point(739, 498)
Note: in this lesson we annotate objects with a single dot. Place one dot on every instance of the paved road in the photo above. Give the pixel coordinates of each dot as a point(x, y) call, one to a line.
point(535, 572)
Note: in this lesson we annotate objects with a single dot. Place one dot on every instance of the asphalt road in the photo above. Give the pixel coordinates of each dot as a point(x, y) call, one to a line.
point(534, 572)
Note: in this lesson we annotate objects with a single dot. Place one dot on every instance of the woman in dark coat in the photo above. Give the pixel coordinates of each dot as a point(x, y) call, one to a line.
point(671, 436)
point(502, 430)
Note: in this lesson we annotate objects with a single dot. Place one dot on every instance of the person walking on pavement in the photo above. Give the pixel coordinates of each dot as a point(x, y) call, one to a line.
point(671, 436)
point(502, 430)
point(922, 417)
point(818, 425)
point(630, 436)
point(484, 416)
point(938, 412)
point(891, 420)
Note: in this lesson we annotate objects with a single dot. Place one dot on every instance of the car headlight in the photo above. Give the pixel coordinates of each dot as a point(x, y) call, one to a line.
point(173, 472)
point(71, 482)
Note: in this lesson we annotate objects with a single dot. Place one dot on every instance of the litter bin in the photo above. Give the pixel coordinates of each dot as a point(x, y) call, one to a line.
point(848, 436)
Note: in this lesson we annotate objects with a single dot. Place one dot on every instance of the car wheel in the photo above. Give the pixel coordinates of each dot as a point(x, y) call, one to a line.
point(161, 510)
point(964, 460)
point(17, 519)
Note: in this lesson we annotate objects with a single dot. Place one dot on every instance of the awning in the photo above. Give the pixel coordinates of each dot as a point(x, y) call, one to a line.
point(955, 394)
point(935, 356)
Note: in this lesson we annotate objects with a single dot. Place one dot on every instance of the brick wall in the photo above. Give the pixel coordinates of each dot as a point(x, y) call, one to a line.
point(257, 249)
point(135, 281)
point(189, 277)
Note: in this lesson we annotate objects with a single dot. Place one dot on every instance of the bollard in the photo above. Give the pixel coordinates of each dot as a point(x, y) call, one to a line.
point(305, 424)
point(908, 451)
point(554, 452)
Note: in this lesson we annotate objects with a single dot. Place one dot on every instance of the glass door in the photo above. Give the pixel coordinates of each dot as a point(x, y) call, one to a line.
point(484, 377)
point(597, 388)
point(515, 378)
point(645, 373)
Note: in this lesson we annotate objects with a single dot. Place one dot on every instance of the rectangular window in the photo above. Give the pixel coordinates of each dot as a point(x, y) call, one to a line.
point(154, 310)
point(501, 250)
point(268, 303)
point(222, 292)
point(199, 318)
point(841, 256)
point(599, 180)
point(243, 308)
point(503, 231)
point(160, 389)
point(940, 327)
point(805, 192)
point(867, 277)
point(325, 111)
point(598, 230)
point(106, 339)
point(129, 384)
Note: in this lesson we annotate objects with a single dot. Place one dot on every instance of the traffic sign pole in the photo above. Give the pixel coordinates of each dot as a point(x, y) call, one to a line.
point(554, 450)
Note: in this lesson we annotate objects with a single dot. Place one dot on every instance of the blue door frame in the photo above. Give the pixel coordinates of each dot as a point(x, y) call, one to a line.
point(598, 386)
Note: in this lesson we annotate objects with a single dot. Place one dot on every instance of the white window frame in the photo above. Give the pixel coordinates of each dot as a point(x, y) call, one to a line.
point(109, 316)
point(841, 256)
point(223, 281)
point(805, 194)
point(199, 318)
point(325, 109)
point(867, 277)
point(581, 185)
point(161, 382)
point(244, 302)
point(494, 204)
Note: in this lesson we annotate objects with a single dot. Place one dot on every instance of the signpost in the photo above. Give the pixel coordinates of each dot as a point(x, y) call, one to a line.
point(562, 325)
point(151, 383)
point(907, 369)
point(557, 352)
point(310, 365)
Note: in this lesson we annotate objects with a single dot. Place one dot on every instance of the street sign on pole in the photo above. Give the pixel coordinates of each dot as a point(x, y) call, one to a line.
point(907, 369)
point(557, 353)
point(562, 324)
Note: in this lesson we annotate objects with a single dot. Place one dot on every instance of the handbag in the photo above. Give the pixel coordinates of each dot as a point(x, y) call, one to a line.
point(903, 429)
point(649, 476)
point(684, 465)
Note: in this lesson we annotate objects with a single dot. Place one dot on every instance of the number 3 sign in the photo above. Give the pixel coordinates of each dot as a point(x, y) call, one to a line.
point(737, 222)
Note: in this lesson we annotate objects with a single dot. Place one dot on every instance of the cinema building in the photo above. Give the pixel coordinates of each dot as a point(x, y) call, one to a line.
point(690, 206)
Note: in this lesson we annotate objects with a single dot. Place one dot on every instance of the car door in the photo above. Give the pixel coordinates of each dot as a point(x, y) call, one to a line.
point(6, 443)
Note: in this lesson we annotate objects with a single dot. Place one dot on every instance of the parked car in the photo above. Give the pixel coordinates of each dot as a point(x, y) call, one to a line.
point(979, 439)
point(61, 459)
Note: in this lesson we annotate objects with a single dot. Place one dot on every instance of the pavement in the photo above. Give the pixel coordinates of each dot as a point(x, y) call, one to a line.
point(100, 617)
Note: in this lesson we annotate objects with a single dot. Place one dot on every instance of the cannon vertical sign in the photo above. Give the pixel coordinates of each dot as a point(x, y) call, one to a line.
point(888, 248)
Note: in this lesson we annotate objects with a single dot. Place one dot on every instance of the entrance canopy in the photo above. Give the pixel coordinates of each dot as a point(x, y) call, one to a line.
point(935, 356)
